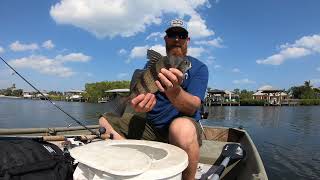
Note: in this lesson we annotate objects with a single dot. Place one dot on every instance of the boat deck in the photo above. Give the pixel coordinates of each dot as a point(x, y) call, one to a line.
point(214, 139)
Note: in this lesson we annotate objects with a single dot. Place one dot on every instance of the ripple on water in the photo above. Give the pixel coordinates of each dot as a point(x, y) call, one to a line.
point(295, 161)
point(287, 138)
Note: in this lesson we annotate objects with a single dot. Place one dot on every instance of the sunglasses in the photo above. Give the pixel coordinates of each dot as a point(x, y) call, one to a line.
point(177, 35)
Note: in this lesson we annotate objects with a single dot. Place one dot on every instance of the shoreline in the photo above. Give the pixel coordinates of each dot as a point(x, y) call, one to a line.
point(216, 105)
point(10, 97)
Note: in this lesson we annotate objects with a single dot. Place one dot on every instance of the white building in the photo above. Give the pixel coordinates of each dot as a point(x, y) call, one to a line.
point(27, 94)
point(270, 95)
point(74, 95)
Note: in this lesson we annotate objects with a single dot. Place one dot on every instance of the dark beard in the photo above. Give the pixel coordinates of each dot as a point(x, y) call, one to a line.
point(175, 51)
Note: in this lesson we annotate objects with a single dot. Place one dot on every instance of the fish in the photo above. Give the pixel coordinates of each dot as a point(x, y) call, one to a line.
point(143, 80)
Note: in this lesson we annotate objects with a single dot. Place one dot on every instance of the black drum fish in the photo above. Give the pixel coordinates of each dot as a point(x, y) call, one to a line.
point(143, 80)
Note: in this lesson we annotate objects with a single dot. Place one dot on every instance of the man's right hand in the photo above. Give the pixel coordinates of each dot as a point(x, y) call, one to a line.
point(143, 103)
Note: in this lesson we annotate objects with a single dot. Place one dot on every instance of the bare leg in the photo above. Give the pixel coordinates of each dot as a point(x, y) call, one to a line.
point(182, 133)
point(103, 122)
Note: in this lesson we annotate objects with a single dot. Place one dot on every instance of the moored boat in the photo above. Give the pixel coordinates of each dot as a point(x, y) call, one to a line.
point(214, 140)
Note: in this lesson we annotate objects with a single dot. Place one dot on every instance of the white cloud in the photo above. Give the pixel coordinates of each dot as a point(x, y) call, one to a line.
point(198, 28)
point(1, 49)
point(236, 70)
point(43, 65)
point(211, 58)
point(265, 87)
point(209, 61)
point(217, 42)
point(73, 57)
point(159, 48)
point(243, 81)
point(122, 52)
point(315, 82)
point(217, 66)
point(105, 18)
point(122, 75)
point(17, 46)
point(195, 51)
point(288, 53)
point(89, 74)
point(50, 66)
point(155, 36)
point(302, 47)
point(48, 44)
point(138, 52)
point(141, 51)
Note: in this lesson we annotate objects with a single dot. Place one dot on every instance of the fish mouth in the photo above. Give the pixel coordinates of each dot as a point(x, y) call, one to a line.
point(190, 66)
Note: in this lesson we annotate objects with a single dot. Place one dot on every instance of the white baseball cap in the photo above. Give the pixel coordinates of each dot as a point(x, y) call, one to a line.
point(177, 25)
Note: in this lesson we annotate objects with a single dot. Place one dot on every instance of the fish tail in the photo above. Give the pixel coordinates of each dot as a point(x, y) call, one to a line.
point(117, 106)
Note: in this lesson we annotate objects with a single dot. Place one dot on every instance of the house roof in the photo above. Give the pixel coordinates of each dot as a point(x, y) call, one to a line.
point(261, 93)
point(118, 91)
point(75, 91)
point(258, 93)
point(216, 91)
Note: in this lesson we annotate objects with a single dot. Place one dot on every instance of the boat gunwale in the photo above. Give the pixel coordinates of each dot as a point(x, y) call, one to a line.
point(78, 131)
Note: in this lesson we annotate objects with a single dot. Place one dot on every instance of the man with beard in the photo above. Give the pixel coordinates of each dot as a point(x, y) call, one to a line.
point(172, 114)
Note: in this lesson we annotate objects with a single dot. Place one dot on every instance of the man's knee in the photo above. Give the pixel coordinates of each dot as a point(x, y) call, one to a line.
point(101, 120)
point(182, 131)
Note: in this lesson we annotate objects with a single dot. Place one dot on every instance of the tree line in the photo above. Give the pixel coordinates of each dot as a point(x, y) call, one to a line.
point(96, 91)
point(305, 91)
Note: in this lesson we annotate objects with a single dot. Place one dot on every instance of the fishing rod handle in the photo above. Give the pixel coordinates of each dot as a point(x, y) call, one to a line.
point(82, 137)
point(220, 169)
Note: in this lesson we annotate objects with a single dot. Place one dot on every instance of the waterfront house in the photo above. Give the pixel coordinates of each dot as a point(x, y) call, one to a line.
point(40, 96)
point(74, 95)
point(271, 95)
point(28, 94)
point(221, 97)
point(111, 94)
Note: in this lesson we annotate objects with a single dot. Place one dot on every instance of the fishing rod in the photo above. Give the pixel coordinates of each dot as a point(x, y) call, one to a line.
point(58, 107)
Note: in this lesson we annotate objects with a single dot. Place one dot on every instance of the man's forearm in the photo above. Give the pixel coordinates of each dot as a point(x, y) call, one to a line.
point(185, 102)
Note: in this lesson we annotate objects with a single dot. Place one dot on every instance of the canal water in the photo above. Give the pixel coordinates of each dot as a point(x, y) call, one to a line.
point(287, 138)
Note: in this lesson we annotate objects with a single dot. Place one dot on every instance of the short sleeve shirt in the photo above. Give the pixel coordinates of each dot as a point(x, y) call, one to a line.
point(195, 83)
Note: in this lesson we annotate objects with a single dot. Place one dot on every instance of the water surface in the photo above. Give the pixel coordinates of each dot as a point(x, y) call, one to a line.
point(287, 138)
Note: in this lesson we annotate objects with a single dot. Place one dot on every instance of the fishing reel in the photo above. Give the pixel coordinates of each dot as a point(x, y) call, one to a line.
point(103, 135)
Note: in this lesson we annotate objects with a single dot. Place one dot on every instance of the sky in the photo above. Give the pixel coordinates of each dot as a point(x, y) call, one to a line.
point(62, 45)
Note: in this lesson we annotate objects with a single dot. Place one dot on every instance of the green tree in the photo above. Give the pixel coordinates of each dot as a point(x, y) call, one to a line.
point(236, 91)
point(17, 92)
point(55, 93)
point(95, 91)
point(7, 92)
point(303, 92)
point(245, 94)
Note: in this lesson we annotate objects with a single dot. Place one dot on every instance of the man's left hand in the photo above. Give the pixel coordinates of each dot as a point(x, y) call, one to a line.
point(170, 80)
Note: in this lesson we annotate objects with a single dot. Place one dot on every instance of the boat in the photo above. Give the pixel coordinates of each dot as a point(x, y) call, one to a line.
point(214, 140)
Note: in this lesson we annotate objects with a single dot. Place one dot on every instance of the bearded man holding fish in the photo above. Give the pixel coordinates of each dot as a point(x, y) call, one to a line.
point(165, 99)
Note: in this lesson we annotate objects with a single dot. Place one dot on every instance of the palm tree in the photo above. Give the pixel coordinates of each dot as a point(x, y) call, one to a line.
point(307, 84)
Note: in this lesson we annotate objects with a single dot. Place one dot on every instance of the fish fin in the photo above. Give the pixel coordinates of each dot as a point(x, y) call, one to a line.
point(153, 57)
point(136, 75)
point(117, 106)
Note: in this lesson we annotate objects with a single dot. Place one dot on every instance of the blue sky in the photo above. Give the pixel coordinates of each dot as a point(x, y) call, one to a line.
point(61, 45)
